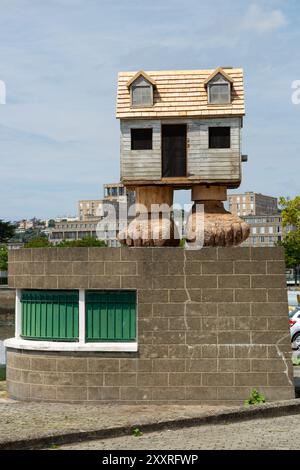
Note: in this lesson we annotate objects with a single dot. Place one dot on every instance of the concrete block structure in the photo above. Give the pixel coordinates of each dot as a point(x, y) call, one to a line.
point(149, 325)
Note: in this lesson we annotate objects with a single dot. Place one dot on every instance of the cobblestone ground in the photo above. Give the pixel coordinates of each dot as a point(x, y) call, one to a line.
point(260, 434)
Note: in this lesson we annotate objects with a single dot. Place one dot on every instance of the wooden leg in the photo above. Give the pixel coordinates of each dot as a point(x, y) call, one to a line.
point(153, 225)
point(217, 227)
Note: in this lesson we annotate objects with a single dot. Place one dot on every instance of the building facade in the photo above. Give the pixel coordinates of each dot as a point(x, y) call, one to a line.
point(265, 230)
point(251, 203)
point(90, 209)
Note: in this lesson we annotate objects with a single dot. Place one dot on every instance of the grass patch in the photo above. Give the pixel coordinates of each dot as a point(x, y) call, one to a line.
point(2, 372)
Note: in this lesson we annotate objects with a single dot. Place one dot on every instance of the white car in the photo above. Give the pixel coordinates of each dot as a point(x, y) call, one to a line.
point(294, 321)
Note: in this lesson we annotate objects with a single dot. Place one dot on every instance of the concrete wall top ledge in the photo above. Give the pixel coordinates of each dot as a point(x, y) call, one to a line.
point(149, 254)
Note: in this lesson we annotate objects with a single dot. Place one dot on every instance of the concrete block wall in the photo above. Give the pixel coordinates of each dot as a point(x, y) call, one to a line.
point(211, 325)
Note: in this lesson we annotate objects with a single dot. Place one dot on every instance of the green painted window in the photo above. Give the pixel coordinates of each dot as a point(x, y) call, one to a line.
point(50, 315)
point(110, 315)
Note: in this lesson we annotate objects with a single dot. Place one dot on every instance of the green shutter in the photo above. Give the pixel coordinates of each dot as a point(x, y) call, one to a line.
point(110, 315)
point(50, 315)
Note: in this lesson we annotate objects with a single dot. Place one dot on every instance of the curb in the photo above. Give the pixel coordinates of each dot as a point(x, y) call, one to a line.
point(276, 409)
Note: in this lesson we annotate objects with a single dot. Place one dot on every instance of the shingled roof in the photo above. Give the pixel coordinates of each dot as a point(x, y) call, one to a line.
point(179, 93)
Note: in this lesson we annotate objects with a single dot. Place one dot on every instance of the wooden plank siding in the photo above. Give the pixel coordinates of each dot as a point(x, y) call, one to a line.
point(203, 164)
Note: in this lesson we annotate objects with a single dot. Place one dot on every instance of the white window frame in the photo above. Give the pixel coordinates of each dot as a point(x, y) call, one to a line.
point(20, 343)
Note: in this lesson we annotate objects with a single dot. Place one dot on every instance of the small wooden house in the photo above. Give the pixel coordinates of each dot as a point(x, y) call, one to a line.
point(181, 128)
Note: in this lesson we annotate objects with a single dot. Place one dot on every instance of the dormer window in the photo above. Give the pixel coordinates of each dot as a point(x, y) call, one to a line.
point(141, 93)
point(141, 90)
point(219, 88)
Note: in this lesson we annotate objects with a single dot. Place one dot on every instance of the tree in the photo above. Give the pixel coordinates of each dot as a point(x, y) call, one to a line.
point(291, 240)
point(290, 211)
point(7, 230)
point(86, 241)
point(51, 223)
point(3, 257)
point(38, 242)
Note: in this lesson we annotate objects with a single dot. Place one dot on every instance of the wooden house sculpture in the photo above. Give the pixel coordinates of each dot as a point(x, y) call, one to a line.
point(182, 130)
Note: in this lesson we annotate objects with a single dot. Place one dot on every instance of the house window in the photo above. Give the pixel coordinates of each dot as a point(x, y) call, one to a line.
point(141, 139)
point(141, 93)
point(219, 137)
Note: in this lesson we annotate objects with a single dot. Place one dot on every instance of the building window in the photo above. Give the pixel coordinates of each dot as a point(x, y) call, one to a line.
point(110, 315)
point(49, 315)
point(141, 139)
point(141, 93)
point(219, 137)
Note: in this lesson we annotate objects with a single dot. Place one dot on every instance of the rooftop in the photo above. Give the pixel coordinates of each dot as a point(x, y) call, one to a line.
point(181, 93)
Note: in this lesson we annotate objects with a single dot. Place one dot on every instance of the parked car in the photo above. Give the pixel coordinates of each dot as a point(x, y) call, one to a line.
point(294, 321)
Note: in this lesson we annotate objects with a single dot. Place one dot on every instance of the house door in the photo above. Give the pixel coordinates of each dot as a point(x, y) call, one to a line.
point(173, 150)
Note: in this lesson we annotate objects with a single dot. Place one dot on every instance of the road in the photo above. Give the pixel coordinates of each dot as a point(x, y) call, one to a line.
point(259, 434)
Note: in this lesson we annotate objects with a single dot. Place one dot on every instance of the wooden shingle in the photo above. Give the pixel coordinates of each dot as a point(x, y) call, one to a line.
point(181, 93)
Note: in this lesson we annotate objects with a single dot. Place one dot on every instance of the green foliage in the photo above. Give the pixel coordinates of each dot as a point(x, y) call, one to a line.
point(28, 235)
point(87, 241)
point(291, 241)
point(51, 223)
point(3, 257)
point(296, 361)
point(136, 432)
point(290, 211)
point(291, 245)
point(2, 372)
point(182, 242)
point(7, 230)
point(39, 242)
point(255, 398)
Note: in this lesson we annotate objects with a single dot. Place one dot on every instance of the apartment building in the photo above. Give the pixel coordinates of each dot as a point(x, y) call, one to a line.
point(90, 209)
point(250, 204)
point(265, 230)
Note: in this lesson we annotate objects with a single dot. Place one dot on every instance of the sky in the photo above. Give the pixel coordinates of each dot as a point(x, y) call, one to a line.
point(59, 59)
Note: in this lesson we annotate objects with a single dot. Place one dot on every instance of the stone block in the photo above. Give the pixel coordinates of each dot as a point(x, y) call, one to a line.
point(156, 379)
point(217, 295)
point(120, 268)
point(218, 380)
point(228, 281)
point(104, 282)
point(72, 282)
point(198, 282)
point(217, 267)
point(96, 365)
point(104, 254)
point(233, 310)
point(250, 267)
point(234, 253)
point(276, 280)
point(265, 253)
point(253, 379)
point(120, 379)
point(201, 393)
point(42, 392)
point(185, 379)
point(65, 393)
point(72, 364)
point(251, 295)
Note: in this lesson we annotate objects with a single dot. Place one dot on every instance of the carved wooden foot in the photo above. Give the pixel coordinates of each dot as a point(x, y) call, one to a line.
point(221, 228)
point(144, 231)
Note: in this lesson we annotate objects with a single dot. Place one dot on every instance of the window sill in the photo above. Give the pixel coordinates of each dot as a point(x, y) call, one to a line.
point(33, 345)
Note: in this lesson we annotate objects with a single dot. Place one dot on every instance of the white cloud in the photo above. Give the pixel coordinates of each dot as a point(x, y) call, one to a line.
point(262, 21)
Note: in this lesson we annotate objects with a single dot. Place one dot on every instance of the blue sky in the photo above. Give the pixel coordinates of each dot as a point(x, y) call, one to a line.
point(59, 139)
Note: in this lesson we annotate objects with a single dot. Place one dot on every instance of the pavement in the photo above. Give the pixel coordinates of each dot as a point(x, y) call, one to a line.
point(259, 434)
point(38, 425)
